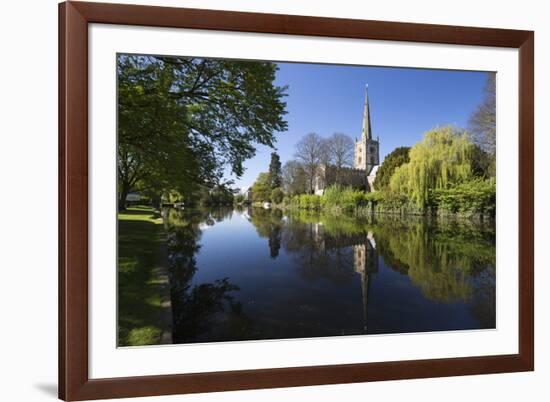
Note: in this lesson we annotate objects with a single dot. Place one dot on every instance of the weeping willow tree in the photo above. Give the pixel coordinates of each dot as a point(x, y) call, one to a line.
point(443, 158)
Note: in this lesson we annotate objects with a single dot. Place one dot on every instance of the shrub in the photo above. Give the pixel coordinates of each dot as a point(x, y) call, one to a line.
point(345, 198)
point(472, 197)
point(310, 201)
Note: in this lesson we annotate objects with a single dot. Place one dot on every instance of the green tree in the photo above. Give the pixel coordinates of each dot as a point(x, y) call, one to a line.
point(396, 158)
point(261, 189)
point(151, 125)
point(443, 158)
point(275, 173)
point(184, 121)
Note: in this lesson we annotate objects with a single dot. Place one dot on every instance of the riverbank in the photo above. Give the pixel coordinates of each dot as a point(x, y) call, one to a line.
point(144, 311)
point(474, 200)
point(408, 212)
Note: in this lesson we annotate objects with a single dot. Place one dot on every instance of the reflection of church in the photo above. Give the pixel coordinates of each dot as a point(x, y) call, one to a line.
point(365, 257)
point(365, 162)
point(365, 263)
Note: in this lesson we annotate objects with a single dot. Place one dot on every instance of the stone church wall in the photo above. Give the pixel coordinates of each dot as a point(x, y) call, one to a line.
point(330, 175)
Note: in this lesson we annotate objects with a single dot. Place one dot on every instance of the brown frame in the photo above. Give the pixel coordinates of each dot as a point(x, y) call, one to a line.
point(74, 17)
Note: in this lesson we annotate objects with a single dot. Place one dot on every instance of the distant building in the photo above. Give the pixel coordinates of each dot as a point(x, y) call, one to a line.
point(365, 163)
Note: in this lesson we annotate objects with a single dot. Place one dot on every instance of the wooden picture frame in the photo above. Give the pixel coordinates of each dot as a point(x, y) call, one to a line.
point(74, 381)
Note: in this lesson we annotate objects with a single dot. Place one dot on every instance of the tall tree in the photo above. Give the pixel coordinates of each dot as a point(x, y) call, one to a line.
point(483, 121)
point(184, 121)
point(443, 158)
point(275, 174)
point(261, 189)
point(153, 146)
point(340, 148)
point(392, 161)
point(294, 178)
point(311, 152)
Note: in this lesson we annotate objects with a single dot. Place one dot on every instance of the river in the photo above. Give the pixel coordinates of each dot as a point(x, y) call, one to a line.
point(267, 274)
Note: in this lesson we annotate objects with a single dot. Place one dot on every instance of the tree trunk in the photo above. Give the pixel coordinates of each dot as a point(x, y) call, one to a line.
point(157, 202)
point(122, 198)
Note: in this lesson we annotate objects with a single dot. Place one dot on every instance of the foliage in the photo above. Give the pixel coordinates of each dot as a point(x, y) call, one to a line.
point(473, 197)
point(277, 195)
point(275, 173)
point(261, 189)
point(442, 159)
point(144, 336)
point(309, 201)
point(218, 195)
point(393, 160)
point(183, 121)
point(151, 125)
point(346, 198)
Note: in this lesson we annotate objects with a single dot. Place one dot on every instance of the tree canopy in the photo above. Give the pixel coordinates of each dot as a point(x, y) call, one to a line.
point(275, 173)
point(392, 161)
point(261, 189)
point(184, 121)
point(444, 157)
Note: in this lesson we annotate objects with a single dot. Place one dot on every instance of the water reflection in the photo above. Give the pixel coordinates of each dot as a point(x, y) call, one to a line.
point(207, 311)
point(259, 274)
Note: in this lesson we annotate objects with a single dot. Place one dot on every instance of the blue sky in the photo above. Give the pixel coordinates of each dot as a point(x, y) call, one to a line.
point(404, 103)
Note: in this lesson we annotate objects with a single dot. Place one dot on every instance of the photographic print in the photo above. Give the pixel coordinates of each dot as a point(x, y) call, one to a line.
point(271, 200)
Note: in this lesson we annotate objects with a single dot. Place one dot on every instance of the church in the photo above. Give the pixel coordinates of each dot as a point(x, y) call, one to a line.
point(365, 163)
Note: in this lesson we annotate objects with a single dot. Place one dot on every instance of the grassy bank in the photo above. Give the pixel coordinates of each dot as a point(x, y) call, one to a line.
point(140, 245)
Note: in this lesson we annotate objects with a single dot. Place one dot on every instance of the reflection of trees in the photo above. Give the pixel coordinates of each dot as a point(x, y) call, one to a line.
point(205, 311)
point(268, 224)
point(221, 214)
point(449, 261)
point(445, 260)
point(318, 250)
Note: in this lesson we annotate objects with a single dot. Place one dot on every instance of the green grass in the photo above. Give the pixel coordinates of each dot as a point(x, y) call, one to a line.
point(140, 237)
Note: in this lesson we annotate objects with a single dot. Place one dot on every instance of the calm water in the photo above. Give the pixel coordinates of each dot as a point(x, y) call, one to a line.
point(264, 274)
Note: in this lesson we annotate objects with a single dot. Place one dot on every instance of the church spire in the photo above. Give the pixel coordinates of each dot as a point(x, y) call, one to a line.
point(367, 131)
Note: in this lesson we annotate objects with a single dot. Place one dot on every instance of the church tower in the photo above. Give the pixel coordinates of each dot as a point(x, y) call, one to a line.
point(366, 149)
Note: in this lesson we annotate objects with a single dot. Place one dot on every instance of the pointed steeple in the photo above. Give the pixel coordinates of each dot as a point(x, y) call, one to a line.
point(367, 130)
